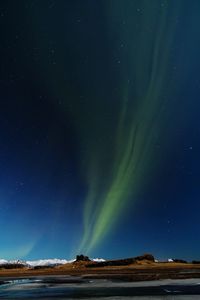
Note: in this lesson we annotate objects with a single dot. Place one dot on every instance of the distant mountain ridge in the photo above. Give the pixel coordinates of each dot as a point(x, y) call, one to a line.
point(82, 260)
point(42, 262)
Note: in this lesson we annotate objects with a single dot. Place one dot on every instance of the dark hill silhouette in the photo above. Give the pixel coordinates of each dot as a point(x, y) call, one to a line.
point(146, 258)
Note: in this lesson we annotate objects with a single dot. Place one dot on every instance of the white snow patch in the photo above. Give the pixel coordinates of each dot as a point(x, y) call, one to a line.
point(3, 261)
point(98, 259)
point(48, 262)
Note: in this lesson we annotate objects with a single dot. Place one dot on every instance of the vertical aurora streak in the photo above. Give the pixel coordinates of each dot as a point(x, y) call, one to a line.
point(148, 37)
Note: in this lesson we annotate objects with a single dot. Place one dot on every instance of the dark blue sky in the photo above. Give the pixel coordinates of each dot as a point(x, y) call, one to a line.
point(99, 128)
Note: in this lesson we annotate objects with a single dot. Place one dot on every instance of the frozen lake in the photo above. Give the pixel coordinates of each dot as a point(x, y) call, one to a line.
point(66, 287)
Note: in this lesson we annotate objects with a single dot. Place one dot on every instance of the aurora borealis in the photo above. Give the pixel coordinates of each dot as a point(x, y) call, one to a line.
point(142, 103)
point(99, 128)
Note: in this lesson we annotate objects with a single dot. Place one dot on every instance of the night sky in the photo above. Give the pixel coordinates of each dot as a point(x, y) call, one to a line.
point(99, 128)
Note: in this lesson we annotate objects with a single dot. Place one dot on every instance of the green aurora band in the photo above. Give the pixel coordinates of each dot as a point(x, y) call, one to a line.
point(148, 36)
point(117, 150)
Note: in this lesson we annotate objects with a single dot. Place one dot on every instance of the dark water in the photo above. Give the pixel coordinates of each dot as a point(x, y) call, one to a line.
point(66, 287)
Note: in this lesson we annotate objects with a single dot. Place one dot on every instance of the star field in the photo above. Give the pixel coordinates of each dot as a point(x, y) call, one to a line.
point(99, 128)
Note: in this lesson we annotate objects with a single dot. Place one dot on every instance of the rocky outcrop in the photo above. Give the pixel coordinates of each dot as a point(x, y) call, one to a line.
point(82, 257)
point(146, 258)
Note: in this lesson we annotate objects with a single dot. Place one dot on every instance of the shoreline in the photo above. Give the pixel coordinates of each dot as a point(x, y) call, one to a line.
point(131, 273)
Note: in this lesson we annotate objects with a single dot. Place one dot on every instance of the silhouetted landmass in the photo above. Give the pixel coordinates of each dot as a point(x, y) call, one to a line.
point(12, 266)
point(148, 258)
point(180, 261)
point(82, 258)
point(137, 268)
